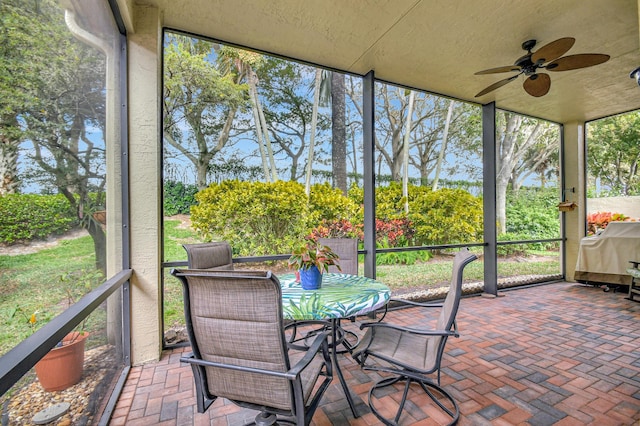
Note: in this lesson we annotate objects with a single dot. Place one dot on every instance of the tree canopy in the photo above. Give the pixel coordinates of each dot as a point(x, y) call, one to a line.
point(613, 153)
point(53, 98)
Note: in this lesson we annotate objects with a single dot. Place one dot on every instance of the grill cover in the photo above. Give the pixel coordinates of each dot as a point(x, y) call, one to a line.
point(605, 257)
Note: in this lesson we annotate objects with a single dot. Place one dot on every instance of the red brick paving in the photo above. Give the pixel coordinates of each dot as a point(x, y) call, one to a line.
point(560, 354)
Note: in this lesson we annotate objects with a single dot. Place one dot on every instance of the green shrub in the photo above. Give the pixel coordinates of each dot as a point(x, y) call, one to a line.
point(25, 217)
point(446, 216)
point(178, 198)
point(523, 249)
point(254, 217)
point(259, 218)
point(402, 258)
point(327, 203)
point(532, 213)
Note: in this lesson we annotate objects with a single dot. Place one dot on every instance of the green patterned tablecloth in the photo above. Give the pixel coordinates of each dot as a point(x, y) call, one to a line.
point(340, 296)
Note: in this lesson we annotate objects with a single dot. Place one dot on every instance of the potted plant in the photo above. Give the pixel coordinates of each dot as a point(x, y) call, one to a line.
point(63, 366)
point(310, 260)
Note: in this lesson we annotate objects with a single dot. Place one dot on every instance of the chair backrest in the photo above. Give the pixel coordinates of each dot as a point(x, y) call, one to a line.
point(447, 317)
point(347, 251)
point(214, 255)
point(235, 317)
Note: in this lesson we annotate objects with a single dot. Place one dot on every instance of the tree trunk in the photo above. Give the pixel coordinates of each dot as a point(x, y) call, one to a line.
point(339, 135)
point(253, 94)
point(501, 206)
point(265, 130)
point(445, 135)
point(314, 124)
point(99, 244)
point(8, 155)
point(8, 166)
point(405, 153)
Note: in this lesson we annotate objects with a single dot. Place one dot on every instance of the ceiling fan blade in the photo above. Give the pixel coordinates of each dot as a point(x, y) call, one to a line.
point(497, 84)
point(507, 68)
point(537, 85)
point(573, 62)
point(553, 50)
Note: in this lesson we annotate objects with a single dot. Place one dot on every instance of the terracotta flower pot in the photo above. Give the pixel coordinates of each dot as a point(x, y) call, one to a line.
point(62, 367)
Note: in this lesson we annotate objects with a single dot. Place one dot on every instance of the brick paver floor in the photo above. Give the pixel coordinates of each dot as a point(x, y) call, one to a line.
point(558, 354)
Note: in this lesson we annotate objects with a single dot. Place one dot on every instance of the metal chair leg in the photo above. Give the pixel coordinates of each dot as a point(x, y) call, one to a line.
point(441, 397)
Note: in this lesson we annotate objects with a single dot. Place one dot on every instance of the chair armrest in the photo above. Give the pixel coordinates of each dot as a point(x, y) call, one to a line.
point(292, 374)
point(635, 263)
point(189, 359)
point(319, 343)
point(422, 332)
point(406, 302)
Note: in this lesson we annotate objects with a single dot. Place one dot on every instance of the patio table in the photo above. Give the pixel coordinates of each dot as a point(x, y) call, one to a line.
point(340, 296)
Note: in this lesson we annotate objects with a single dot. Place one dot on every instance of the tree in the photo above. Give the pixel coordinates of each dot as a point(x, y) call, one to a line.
point(59, 109)
point(314, 124)
point(17, 52)
point(428, 120)
point(246, 63)
point(613, 153)
point(443, 148)
point(338, 132)
point(200, 102)
point(522, 143)
point(405, 153)
point(284, 90)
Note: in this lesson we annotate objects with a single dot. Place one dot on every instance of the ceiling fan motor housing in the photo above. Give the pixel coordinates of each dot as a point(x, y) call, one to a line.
point(525, 63)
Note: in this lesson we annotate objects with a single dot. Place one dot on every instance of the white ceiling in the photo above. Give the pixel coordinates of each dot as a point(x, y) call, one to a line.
point(437, 45)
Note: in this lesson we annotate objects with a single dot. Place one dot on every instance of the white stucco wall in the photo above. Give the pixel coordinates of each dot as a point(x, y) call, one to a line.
point(144, 45)
point(574, 178)
point(629, 206)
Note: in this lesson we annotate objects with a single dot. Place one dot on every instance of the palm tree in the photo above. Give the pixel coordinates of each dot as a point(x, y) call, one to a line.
point(332, 88)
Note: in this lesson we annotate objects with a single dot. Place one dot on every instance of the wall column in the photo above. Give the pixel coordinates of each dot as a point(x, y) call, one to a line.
point(574, 176)
point(145, 44)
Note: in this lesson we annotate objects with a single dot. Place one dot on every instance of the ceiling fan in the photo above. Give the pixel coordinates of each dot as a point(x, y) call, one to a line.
point(538, 83)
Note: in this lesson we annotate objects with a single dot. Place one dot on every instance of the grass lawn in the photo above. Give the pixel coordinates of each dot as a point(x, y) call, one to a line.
point(44, 282)
point(400, 278)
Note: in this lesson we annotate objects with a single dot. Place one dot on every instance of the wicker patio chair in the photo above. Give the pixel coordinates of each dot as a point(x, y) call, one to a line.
point(214, 255)
point(410, 355)
point(234, 321)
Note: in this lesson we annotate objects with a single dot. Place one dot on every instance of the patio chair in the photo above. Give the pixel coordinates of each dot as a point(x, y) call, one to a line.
point(234, 321)
point(410, 355)
point(214, 255)
point(347, 251)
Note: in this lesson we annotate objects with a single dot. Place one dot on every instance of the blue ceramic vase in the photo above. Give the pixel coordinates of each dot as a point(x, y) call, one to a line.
point(310, 279)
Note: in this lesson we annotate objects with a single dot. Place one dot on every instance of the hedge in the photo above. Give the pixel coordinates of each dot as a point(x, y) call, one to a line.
point(25, 217)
